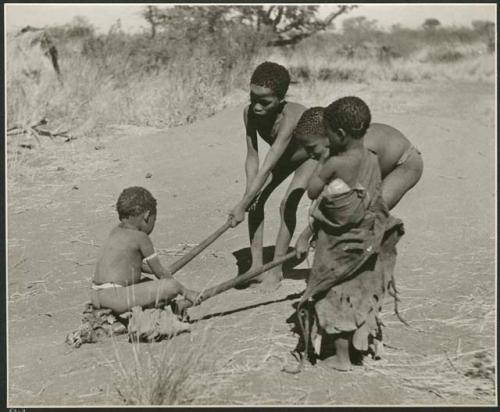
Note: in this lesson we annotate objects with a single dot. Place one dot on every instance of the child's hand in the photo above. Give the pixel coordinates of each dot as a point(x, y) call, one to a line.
point(254, 203)
point(236, 216)
point(193, 296)
point(325, 154)
point(198, 299)
point(302, 246)
point(167, 274)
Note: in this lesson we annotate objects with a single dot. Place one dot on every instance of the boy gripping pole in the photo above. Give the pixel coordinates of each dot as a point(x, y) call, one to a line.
point(355, 238)
point(272, 118)
point(127, 253)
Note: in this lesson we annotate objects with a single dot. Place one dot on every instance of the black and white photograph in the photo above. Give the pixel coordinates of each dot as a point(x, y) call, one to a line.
point(255, 204)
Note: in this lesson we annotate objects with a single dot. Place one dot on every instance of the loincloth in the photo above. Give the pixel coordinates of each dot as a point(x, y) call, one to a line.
point(107, 285)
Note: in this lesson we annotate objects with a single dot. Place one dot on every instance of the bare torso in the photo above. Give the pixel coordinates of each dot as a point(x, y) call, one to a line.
point(267, 129)
point(120, 260)
point(388, 143)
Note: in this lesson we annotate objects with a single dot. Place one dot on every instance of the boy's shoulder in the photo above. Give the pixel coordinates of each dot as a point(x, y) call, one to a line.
point(294, 109)
point(119, 232)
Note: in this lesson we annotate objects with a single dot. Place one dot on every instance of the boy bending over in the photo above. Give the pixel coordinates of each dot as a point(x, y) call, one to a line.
point(127, 253)
point(271, 117)
point(400, 162)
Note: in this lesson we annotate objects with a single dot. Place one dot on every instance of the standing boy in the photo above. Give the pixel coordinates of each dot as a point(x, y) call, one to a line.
point(274, 119)
point(356, 239)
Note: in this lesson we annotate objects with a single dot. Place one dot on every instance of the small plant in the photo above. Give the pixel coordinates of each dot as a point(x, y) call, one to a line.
point(166, 373)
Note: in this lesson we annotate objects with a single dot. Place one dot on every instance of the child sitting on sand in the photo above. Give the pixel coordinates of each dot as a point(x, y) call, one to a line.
point(127, 253)
point(271, 117)
point(355, 236)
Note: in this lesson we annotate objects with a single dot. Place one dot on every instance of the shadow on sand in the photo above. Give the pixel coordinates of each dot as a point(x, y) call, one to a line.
point(244, 261)
point(292, 296)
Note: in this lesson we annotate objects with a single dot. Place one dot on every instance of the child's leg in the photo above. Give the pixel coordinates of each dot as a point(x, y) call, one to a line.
point(288, 215)
point(340, 361)
point(402, 179)
point(146, 294)
point(256, 218)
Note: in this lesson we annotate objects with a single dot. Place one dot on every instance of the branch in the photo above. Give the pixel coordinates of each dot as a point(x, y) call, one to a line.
point(277, 20)
point(307, 29)
point(332, 16)
point(290, 41)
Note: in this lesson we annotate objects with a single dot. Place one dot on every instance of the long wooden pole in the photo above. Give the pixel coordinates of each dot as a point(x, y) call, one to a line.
point(174, 267)
point(231, 283)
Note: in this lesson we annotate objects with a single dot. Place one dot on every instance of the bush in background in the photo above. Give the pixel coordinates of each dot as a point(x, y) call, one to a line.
point(196, 60)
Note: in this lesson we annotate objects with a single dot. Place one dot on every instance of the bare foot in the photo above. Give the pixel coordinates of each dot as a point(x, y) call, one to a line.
point(291, 363)
point(271, 281)
point(335, 362)
point(191, 295)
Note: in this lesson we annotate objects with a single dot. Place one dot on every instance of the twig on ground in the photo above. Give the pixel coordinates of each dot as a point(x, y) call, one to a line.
point(19, 263)
point(87, 263)
point(91, 243)
point(451, 363)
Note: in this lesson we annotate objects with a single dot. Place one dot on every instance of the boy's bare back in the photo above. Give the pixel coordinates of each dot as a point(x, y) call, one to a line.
point(121, 257)
point(388, 143)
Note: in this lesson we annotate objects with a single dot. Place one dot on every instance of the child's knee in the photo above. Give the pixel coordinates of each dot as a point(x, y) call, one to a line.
point(169, 287)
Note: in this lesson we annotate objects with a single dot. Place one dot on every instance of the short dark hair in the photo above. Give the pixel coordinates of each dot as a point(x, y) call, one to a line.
point(273, 76)
point(135, 200)
point(350, 114)
point(311, 122)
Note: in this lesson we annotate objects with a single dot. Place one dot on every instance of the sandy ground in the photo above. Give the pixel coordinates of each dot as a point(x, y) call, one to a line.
point(61, 207)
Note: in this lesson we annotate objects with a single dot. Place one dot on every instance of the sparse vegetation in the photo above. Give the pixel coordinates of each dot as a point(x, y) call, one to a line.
point(195, 60)
point(167, 373)
point(62, 189)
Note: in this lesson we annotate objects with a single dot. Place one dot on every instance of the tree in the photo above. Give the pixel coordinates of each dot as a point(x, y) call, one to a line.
point(289, 25)
point(483, 26)
point(486, 29)
point(155, 17)
point(431, 24)
point(285, 25)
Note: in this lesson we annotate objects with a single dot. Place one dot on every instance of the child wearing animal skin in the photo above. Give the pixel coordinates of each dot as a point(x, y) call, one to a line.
point(127, 253)
point(355, 234)
point(401, 163)
point(272, 118)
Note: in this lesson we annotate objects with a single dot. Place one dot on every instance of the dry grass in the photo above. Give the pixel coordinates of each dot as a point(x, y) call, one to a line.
point(471, 63)
point(452, 377)
point(172, 372)
point(200, 79)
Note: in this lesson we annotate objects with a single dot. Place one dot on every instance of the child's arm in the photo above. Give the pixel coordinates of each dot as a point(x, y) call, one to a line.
point(324, 173)
point(146, 268)
point(252, 159)
point(152, 261)
point(275, 152)
point(302, 245)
